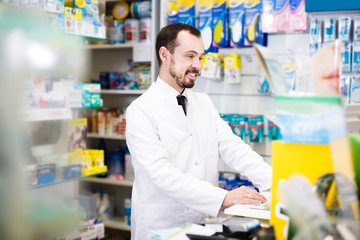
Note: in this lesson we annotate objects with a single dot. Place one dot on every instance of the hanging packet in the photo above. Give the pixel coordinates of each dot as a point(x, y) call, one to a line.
point(205, 25)
point(255, 128)
point(298, 16)
point(220, 23)
point(236, 23)
point(186, 12)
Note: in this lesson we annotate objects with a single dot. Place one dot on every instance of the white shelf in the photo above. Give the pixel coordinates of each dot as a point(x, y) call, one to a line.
point(46, 114)
point(117, 223)
point(95, 135)
point(108, 181)
point(117, 46)
point(122, 92)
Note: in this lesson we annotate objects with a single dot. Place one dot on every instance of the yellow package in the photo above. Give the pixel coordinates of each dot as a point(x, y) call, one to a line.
point(232, 68)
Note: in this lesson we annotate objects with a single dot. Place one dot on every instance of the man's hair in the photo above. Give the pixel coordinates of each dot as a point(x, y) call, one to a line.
point(167, 37)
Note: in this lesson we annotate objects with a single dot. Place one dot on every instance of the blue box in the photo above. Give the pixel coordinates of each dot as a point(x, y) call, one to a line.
point(46, 174)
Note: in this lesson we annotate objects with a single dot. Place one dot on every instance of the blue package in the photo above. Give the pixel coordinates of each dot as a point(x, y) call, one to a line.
point(346, 57)
point(236, 23)
point(71, 171)
point(356, 57)
point(355, 89)
point(273, 131)
point(255, 128)
point(344, 29)
point(104, 80)
point(330, 30)
point(237, 124)
point(46, 174)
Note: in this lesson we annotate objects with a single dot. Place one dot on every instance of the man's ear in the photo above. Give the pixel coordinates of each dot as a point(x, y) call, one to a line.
point(164, 54)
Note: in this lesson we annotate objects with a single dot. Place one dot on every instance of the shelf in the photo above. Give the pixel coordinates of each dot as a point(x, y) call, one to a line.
point(117, 223)
point(108, 181)
point(95, 135)
point(45, 114)
point(67, 180)
point(116, 46)
point(122, 92)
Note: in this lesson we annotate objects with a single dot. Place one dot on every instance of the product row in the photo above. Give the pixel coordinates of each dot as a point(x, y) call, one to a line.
point(41, 92)
point(111, 122)
point(129, 23)
point(54, 168)
point(118, 162)
point(350, 88)
point(251, 128)
point(107, 204)
point(238, 23)
point(138, 76)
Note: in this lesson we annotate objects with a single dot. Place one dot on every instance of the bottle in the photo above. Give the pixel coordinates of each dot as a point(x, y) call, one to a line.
point(98, 200)
point(127, 211)
point(102, 146)
point(104, 208)
point(117, 168)
point(129, 171)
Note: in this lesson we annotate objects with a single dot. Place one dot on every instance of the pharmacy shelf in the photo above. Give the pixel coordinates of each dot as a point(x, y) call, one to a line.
point(96, 135)
point(46, 114)
point(108, 181)
point(122, 92)
point(117, 223)
point(116, 46)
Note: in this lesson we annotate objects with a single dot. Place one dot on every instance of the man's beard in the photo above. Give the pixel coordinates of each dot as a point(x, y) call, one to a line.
point(179, 79)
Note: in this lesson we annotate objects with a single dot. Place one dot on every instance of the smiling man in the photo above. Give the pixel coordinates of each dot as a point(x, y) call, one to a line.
point(176, 137)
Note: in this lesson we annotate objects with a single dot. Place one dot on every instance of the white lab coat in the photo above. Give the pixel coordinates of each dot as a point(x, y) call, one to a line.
point(175, 159)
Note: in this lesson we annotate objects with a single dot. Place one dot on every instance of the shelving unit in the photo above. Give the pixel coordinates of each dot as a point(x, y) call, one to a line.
point(117, 223)
point(108, 181)
point(96, 135)
point(117, 46)
point(122, 92)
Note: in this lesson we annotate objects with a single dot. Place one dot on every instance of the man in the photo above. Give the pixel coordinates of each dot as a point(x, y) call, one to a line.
point(175, 149)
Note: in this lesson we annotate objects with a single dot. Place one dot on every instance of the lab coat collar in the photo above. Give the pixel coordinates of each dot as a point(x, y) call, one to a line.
point(167, 90)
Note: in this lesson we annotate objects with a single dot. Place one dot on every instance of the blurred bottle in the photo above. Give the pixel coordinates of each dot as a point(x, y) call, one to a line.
point(127, 210)
point(117, 166)
point(98, 200)
point(104, 208)
point(129, 171)
point(102, 146)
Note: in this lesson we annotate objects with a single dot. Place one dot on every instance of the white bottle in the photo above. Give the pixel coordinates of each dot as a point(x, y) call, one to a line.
point(104, 209)
point(98, 200)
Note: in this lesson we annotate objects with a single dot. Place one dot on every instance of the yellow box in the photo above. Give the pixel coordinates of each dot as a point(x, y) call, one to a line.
point(313, 161)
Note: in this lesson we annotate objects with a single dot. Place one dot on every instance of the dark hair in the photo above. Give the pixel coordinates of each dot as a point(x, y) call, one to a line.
point(168, 35)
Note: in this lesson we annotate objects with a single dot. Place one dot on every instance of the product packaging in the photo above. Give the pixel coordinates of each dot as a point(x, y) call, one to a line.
point(131, 30)
point(316, 31)
point(220, 23)
point(281, 15)
point(238, 125)
point(345, 87)
point(186, 12)
point(267, 16)
point(253, 25)
point(232, 68)
point(140, 9)
point(355, 89)
point(120, 10)
point(289, 73)
point(263, 83)
point(173, 11)
point(330, 25)
point(346, 57)
point(116, 32)
point(237, 23)
point(273, 131)
point(205, 24)
point(345, 29)
point(356, 29)
point(213, 67)
point(145, 30)
point(298, 17)
point(356, 57)
point(255, 126)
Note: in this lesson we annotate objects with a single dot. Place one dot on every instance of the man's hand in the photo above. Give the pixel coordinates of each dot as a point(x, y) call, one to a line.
point(243, 195)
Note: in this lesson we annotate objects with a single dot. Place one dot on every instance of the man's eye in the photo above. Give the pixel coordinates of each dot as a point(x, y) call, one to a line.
point(190, 56)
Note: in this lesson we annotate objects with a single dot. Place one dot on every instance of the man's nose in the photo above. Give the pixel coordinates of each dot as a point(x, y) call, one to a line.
point(197, 64)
